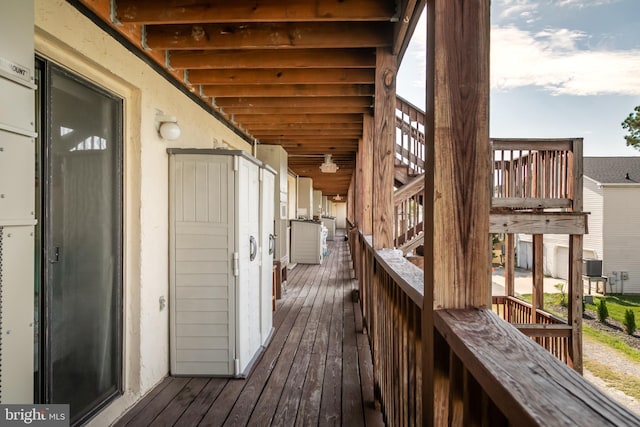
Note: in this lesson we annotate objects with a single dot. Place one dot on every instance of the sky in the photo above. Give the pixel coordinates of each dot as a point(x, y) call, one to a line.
point(559, 68)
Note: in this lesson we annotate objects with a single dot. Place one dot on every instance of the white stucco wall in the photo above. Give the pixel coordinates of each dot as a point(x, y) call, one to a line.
point(66, 37)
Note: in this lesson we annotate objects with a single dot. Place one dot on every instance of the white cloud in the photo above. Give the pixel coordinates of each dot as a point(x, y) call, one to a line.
point(584, 3)
point(551, 60)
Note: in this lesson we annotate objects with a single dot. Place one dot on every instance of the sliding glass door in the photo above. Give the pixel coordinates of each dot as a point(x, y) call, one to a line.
point(81, 249)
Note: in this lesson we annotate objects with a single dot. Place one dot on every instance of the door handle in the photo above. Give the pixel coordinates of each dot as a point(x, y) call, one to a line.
point(253, 248)
point(56, 255)
point(272, 244)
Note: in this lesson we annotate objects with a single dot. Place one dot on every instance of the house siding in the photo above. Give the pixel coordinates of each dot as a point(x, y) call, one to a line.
point(88, 51)
point(621, 236)
point(593, 196)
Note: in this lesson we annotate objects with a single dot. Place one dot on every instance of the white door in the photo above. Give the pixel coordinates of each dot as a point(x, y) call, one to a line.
point(248, 285)
point(267, 249)
point(202, 277)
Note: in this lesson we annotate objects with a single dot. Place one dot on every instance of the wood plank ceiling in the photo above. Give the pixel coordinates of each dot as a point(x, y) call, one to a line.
point(297, 73)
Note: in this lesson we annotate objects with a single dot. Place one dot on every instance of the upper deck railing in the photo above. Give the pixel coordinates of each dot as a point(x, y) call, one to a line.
point(535, 173)
point(410, 126)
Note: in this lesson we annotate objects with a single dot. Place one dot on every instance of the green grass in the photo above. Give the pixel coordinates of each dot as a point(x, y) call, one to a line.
point(618, 304)
point(611, 341)
point(628, 384)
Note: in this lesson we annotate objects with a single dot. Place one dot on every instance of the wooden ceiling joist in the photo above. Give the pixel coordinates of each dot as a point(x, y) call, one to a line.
point(295, 102)
point(301, 118)
point(293, 126)
point(297, 73)
point(282, 76)
point(286, 90)
point(268, 36)
point(294, 110)
point(219, 11)
point(252, 59)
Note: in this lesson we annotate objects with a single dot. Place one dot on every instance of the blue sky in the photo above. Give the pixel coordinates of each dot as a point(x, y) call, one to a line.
point(559, 68)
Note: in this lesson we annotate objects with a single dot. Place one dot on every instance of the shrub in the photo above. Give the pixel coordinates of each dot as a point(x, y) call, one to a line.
point(563, 295)
point(603, 312)
point(629, 321)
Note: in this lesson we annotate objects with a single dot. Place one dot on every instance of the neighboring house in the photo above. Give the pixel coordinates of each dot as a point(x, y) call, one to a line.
point(611, 190)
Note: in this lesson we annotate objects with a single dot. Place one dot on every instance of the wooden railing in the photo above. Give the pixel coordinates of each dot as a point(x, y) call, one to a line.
point(410, 148)
point(533, 174)
point(551, 332)
point(408, 211)
point(485, 372)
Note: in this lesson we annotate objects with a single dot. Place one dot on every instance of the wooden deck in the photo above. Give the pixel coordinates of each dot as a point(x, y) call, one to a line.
point(316, 370)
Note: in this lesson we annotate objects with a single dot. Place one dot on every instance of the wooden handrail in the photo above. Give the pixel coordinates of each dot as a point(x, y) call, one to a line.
point(529, 387)
point(486, 372)
point(410, 189)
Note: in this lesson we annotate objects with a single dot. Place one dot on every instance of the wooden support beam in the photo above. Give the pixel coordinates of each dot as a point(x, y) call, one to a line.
point(311, 133)
point(253, 59)
point(539, 223)
point(242, 11)
point(301, 118)
point(574, 315)
point(295, 110)
point(537, 294)
point(509, 264)
point(457, 178)
point(365, 188)
point(384, 148)
point(302, 126)
point(303, 35)
point(462, 180)
point(294, 102)
point(249, 91)
point(283, 76)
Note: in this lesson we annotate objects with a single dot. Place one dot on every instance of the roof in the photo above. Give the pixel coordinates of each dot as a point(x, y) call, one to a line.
point(613, 170)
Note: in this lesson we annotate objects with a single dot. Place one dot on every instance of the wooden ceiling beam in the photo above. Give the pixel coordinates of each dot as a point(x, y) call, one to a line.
point(249, 91)
point(333, 35)
point(331, 143)
point(220, 11)
point(295, 102)
point(252, 59)
point(228, 111)
point(306, 126)
point(302, 135)
point(282, 76)
point(300, 118)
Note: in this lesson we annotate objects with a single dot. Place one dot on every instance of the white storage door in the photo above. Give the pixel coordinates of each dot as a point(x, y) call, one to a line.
point(267, 249)
point(202, 282)
point(248, 288)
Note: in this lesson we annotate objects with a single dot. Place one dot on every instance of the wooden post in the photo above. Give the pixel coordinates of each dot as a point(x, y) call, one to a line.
point(574, 317)
point(365, 187)
point(384, 148)
point(537, 295)
point(457, 186)
point(462, 155)
point(509, 271)
point(575, 264)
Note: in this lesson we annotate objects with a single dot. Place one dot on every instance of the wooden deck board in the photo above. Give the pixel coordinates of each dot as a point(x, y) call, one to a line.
point(310, 374)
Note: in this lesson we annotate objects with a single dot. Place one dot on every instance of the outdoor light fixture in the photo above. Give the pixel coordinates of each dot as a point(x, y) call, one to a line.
point(337, 198)
point(167, 127)
point(328, 166)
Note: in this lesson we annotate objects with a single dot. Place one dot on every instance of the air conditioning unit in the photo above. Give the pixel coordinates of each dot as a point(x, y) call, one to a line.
point(592, 267)
point(328, 166)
